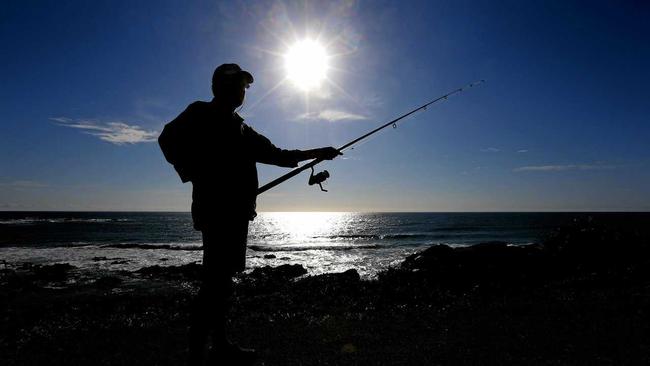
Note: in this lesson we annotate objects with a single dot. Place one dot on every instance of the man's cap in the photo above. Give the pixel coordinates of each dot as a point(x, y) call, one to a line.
point(228, 72)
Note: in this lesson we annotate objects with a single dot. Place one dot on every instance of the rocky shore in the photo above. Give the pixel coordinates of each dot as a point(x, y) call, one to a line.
point(579, 297)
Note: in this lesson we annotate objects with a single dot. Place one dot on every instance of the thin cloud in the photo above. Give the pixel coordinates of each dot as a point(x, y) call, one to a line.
point(490, 149)
point(23, 184)
point(118, 133)
point(522, 151)
point(557, 168)
point(332, 115)
point(372, 101)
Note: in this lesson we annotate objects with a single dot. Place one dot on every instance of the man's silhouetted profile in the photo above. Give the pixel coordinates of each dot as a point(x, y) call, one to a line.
point(211, 146)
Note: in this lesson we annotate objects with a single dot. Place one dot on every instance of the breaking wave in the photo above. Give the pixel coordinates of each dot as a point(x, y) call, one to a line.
point(35, 221)
point(301, 248)
point(153, 246)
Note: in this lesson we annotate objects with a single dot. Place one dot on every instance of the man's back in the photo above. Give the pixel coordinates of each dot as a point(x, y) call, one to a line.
point(218, 161)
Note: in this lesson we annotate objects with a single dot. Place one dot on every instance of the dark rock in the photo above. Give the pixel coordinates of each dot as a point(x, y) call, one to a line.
point(351, 274)
point(494, 263)
point(97, 259)
point(269, 279)
point(341, 279)
point(590, 247)
point(12, 280)
point(283, 272)
point(269, 256)
point(428, 258)
point(582, 250)
point(31, 276)
point(55, 272)
point(190, 271)
point(330, 290)
point(108, 282)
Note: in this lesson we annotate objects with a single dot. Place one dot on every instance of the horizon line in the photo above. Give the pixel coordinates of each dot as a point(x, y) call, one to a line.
point(379, 211)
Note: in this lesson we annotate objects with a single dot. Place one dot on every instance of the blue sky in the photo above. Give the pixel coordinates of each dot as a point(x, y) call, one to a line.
point(561, 123)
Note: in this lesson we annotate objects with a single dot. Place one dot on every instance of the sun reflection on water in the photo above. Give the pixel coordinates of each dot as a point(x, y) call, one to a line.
point(320, 241)
point(301, 228)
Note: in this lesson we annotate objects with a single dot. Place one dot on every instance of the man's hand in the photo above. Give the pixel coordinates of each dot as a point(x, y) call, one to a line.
point(324, 153)
point(327, 153)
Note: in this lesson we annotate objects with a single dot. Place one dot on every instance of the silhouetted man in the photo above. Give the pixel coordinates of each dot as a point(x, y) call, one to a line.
point(211, 146)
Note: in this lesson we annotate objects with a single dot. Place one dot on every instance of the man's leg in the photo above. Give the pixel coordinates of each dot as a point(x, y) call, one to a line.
point(199, 329)
point(225, 259)
point(209, 308)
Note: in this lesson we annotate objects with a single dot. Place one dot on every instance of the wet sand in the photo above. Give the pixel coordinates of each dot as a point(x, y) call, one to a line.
point(580, 298)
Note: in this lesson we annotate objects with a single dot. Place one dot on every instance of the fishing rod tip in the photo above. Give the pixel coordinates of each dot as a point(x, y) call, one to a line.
point(476, 83)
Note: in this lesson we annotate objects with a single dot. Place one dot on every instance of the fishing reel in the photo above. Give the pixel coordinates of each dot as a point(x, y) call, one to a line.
point(318, 178)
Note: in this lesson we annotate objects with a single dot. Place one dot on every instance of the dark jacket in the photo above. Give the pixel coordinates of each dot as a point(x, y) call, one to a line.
point(219, 156)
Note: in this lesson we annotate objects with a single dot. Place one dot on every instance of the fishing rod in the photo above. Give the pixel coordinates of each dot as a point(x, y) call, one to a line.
point(319, 178)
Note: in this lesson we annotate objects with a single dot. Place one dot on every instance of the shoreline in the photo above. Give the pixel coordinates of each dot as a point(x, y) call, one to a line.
point(581, 298)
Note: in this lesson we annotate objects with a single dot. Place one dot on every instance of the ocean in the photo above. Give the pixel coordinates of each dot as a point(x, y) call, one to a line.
point(321, 242)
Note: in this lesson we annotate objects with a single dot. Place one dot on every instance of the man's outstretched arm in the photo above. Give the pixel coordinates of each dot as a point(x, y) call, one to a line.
point(325, 153)
point(267, 153)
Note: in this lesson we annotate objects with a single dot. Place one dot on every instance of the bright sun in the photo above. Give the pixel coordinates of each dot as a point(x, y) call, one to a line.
point(306, 63)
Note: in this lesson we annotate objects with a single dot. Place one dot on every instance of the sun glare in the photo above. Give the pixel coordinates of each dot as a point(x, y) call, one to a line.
point(306, 64)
